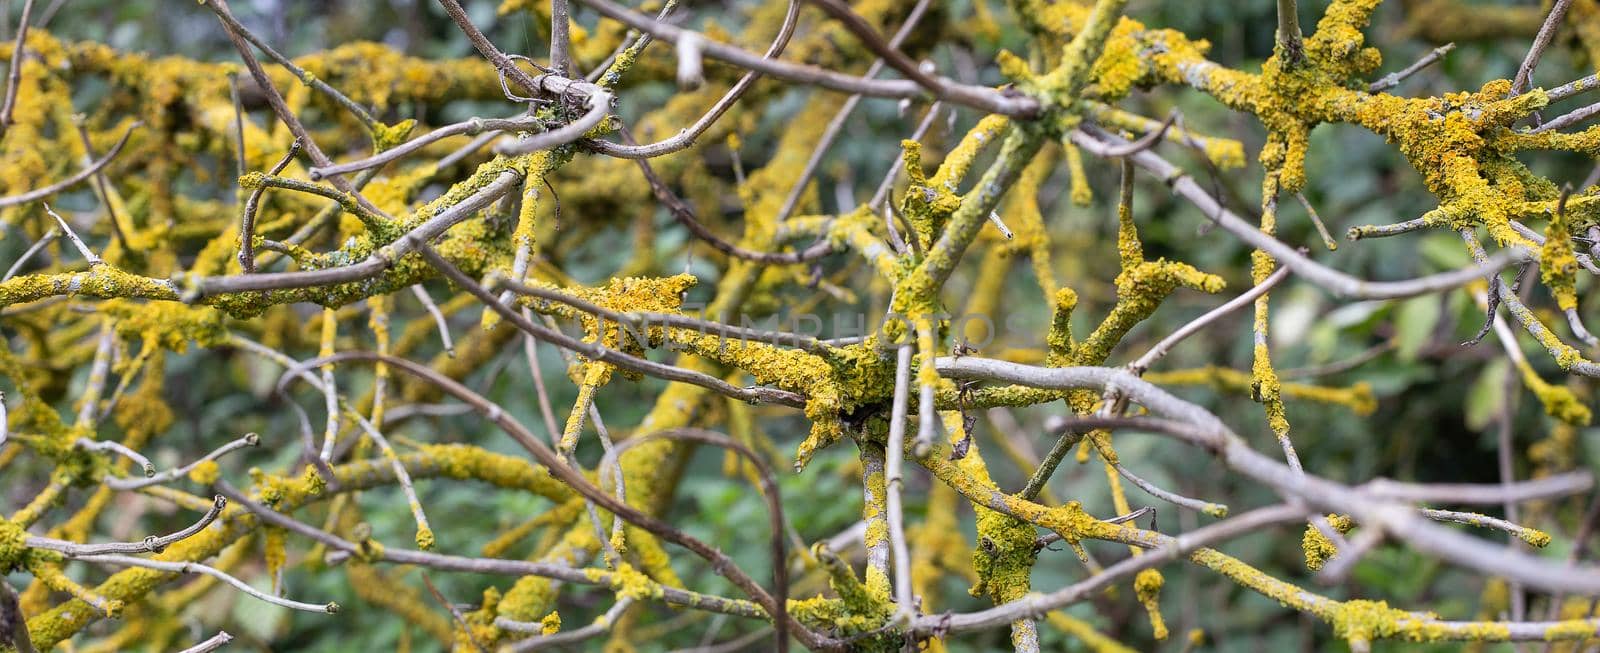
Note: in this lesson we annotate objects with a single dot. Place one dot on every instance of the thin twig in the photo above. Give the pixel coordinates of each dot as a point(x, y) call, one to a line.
point(894, 454)
point(152, 544)
point(77, 243)
point(438, 318)
point(14, 72)
point(102, 189)
point(985, 99)
point(38, 246)
point(1547, 33)
point(380, 259)
point(597, 352)
point(119, 449)
point(454, 612)
point(278, 104)
point(199, 568)
point(247, 216)
point(215, 642)
point(836, 125)
point(486, 127)
point(248, 440)
point(1393, 79)
point(85, 173)
point(1333, 281)
point(1322, 229)
point(685, 215)
point(1194, 326)
point(600, 626)
point(514, 568)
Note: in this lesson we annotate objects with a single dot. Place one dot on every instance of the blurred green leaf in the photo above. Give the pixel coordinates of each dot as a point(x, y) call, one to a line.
point(1487, 397)
point(1414, 322)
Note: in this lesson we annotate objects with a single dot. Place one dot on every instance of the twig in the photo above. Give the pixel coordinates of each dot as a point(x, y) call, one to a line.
point(294, 370)
point(1336, 367)
point(894, 454)
point(380, 259)
point(1168, 549)
point(1569, 119)
point(90, 170)
point(1530, 323)
point(123, 484)
point(1290, 46)
point(1194, 424)
point(1549, 487)
point(1574, 87)
point(102, 189)
point(486, 127)
point(560, 37)
point(1575, 322)
point(233, 24)
point(279, 106)
point(599, 105)
point(836, 125)
point(1482, 521)
point(38, 246)
point(642, 319)
point(238, 124)
point(1144, 142)
point(1547, 33)
point(574, 479)
point(562, 572)
point(198, 568)
point(687, 136)
point(14, 72)
point(885, 51)
point(884, 187)
point(14, 623)
point(152, 544)
point(1322, 229)
point(601, 626)
point(1066, 439)
point(247, 217)
point(330, 392)
point(530, 350)
point(77, 243)
point(684, 214)
point(94, 388)
point(597, 352)
point(971, 96)
point(1194, 326)
point(1383, 230)
point(119, 449)
point(1505, 452)
point(454, 613)
point(438, 318)
point(1333, 281)
point(1393, 79)
point(1197, 505)
point(216, 641)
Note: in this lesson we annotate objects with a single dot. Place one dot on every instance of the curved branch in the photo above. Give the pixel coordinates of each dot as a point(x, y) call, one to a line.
point(87, 172)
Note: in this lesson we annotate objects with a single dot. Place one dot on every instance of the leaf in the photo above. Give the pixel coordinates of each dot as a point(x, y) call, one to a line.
point(1414, 323)
point(1294, 316)
point(1487, 396)
point(1444, 251)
